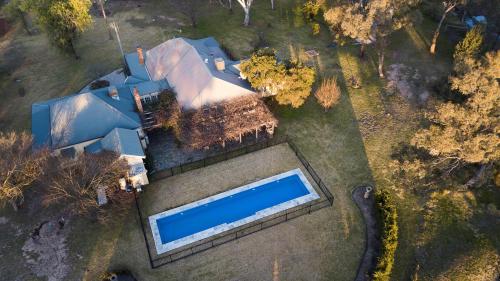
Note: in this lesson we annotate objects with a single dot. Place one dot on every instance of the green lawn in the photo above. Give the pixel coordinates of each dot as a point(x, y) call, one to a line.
point(349, 145)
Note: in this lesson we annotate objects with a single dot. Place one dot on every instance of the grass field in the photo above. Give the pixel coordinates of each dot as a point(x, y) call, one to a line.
point(349, 145)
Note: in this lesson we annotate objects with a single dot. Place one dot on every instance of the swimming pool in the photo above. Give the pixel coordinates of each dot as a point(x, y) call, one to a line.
point(213, 215)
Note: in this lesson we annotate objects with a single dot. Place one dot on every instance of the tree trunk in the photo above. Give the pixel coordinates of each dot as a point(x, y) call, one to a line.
point(436, 33)
point(103, 12)
point(477, 177)
point(246, 21)
point(382, 43)
point(272, 5)
point(362, 50)
point(230, 6)
point(25, 22)
point(73, 50)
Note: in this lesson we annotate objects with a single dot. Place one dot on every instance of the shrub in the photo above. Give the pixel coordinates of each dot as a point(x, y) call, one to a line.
point(310, 9)
point(328, 94)
point(389, 224)
point(315, 28)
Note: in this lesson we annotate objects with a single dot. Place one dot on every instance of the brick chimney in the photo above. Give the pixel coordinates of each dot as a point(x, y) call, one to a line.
point(141, 55)
point(138, 102)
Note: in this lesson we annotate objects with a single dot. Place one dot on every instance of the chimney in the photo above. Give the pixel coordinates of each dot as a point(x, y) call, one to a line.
point(113, 93)
point(138, 102)
point(141, 55)
point(220, 64)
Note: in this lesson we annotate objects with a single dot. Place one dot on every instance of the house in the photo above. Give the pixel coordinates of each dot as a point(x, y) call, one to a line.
point(198, 71)
point(113, 118)
point(90, 122)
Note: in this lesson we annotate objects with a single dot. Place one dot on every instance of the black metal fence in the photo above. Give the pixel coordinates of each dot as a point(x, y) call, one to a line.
point(219, 157)
point(326, 200)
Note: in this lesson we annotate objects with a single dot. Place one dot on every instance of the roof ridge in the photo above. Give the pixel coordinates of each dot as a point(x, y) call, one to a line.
point(112, 107)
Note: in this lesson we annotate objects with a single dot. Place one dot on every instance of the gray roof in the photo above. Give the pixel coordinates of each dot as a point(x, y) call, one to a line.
point(82, 117)
point(188, 66)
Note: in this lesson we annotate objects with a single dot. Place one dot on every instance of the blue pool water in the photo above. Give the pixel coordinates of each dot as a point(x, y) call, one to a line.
point(231, 208)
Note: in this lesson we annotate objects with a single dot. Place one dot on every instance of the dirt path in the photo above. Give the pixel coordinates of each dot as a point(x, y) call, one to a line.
point(372, 244)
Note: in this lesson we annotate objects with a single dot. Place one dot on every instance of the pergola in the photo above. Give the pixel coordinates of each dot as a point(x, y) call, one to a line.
point(226, 121)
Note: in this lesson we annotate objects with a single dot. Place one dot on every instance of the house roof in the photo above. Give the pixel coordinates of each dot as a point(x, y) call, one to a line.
point(189, 67)
point(124, 142)
point(150, 87)
point(81, 117)
point(137, 70)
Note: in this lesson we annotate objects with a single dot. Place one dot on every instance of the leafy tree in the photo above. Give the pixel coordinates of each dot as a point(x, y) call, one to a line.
point(290, 84)
point(20, 167)
point(467, 133)
point(328, 94)
point(310, 9)
point(63, 20)
point(446, 6)
point(370, 23)
point(297, 85)
point(470, 46)
point(263, 71)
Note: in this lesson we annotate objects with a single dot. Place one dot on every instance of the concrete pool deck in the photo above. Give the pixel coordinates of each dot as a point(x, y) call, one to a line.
point(165, 247)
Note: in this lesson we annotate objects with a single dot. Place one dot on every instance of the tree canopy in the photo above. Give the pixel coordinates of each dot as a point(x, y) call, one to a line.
point(470, 46)
point(371, 22)
point(63, 20)
point(467, 132)
point(19, 166)
point(290, 83)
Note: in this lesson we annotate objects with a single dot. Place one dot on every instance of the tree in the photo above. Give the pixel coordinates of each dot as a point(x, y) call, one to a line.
point(263, 71)
point(467, 133)
point(20, 167)
point(190, 8)
point(168, 113)
point(19, 9)
point(297, 85)
point(470, 46)
point(76, 183)
point(103, 13)
point(246, 4)
point(289, 83)
point(64, 20)
point(447, 6)
point(371, 23)
point(328, 94)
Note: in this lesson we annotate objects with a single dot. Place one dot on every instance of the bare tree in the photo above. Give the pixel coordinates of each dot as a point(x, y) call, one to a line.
point(76, 183)
point(20, 167)
point(448, 6)
point(228, 6)
point(328, 94)
point(103, 13)
point(246, 4)
point(190, 8)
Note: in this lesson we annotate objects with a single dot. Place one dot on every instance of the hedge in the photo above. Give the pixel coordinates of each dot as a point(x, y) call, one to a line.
point(388, 217)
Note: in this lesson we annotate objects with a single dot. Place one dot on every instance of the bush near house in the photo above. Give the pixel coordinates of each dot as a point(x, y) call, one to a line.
point(388, 218)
